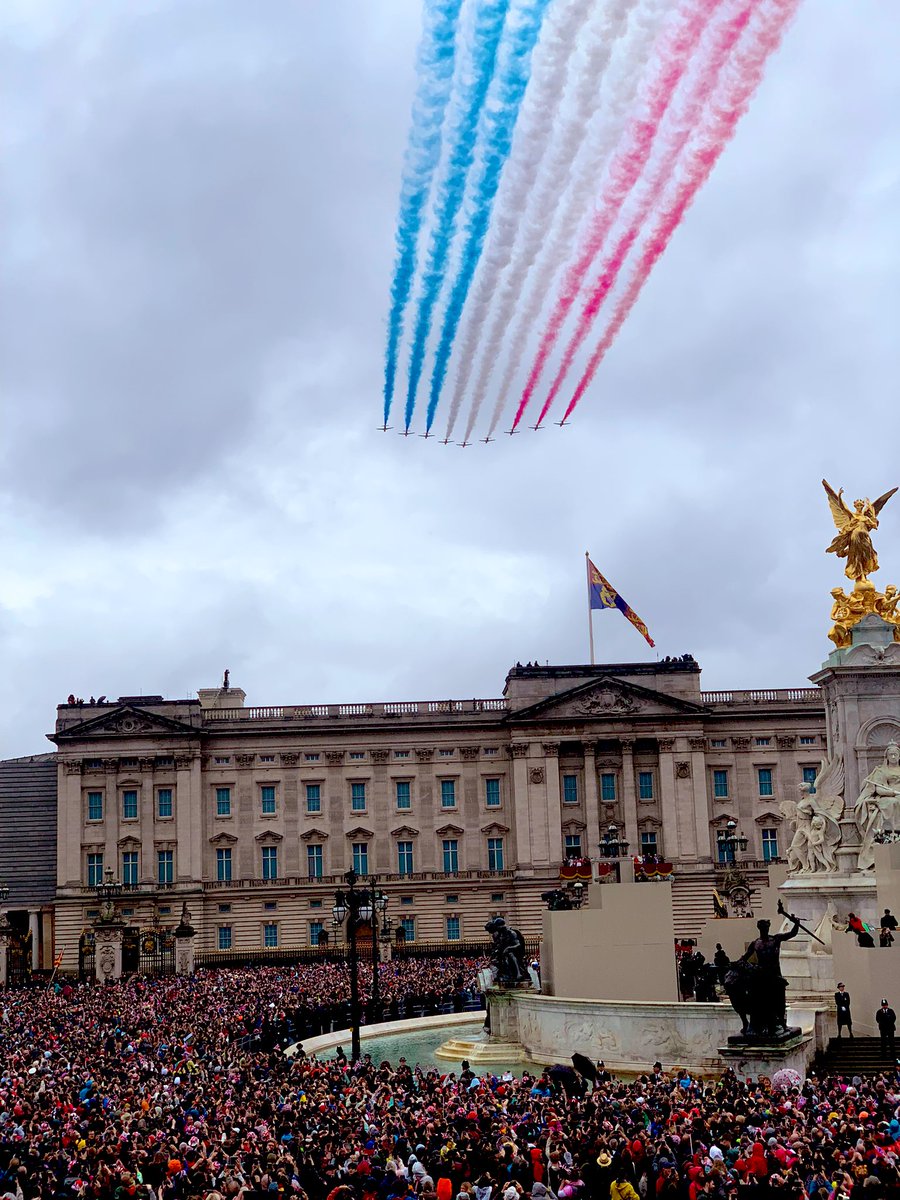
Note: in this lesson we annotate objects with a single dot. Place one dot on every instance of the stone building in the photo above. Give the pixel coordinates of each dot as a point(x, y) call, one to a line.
point(462, 808)
point(28, 850)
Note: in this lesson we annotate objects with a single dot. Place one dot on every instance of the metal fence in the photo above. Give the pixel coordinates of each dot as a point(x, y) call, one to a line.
point(292, 955)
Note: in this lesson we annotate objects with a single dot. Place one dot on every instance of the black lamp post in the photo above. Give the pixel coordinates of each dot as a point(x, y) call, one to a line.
point(359, 906)
point(4, 896)
point(612, 846)
point(728, 840)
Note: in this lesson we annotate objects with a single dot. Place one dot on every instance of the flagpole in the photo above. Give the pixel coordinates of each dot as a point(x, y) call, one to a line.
point(587, 567)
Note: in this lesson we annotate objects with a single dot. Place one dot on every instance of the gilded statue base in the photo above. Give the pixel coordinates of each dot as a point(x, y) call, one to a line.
point(848, 610)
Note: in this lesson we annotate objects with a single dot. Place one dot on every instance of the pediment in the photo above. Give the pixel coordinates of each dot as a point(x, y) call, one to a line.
point(495, 827)
point(404, 831)
point(607, 697)
point(650, 823)
point(128, 842)
point(126, 721)
point(313, 835)
point(268, 835)
point(720, 821)
point(768, 818)
point(573, 826)
point(449, 829)
point(223, 839)
point(360, 832)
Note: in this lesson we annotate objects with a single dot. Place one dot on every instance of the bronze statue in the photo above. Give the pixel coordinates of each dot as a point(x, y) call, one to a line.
point(756, 987)
point(508, 953)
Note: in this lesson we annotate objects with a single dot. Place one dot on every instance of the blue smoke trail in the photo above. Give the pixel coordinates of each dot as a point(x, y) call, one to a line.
point(497, 135)
point(435, 64)
point(488, 31)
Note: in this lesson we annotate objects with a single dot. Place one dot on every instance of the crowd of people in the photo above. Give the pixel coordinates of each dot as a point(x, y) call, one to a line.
point(166, 1089)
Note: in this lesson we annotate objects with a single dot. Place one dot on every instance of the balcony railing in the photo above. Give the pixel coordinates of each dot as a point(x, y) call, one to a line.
point(383, 877)
point(348, 712)
point(764, 696)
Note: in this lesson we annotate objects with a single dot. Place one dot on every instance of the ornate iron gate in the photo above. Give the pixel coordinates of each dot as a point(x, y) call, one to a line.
point(157, 952)
point(18, 960)
point(86, 951)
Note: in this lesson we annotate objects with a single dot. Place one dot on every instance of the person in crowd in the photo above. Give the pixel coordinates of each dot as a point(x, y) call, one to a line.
point(886, 1020)
point(842, 1004)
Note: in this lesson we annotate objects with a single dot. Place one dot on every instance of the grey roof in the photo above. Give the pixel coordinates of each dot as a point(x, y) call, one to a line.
point(28, 829)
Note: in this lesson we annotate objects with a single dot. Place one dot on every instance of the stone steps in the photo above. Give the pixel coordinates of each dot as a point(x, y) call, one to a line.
point(854, 1056)
point(480, 1053)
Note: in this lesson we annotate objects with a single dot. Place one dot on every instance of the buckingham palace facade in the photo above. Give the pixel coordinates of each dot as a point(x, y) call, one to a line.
point(462, 808)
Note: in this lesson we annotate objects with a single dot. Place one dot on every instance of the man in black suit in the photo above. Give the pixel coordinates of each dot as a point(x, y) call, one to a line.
point(887, 1026)
point(842, 1004)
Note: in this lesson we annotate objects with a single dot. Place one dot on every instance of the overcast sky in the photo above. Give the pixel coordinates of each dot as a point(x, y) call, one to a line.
point(198, 203)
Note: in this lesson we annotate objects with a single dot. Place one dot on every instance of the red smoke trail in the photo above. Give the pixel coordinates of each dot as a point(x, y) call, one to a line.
point(718, 129)
point(687, 120)
point(672, 60)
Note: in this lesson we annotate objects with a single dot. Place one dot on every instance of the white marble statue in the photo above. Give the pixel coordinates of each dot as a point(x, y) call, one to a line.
point(815, 817)
point(878, 806)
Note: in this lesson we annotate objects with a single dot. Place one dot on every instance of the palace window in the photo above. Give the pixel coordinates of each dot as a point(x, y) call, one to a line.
point(451, 856)
point(222, 908)
point(648, 841)
point(570, 789)
point(448, 793)
point(718, 743)
point(267, 758)
point(165, 866)
point(358, 797)
point(401, 754)
point(495, 853)
point(720, 784)
point(497, 897)
point(314, 862)
point(223, 801)
point(270, 935)
point(223, 865)
point(267, 800)
point(361, 858)
point(405, 858)
point(408, 925)
point(453, 929)
point(769, 844)
point(224, 942)
point(164, 803)
point(129, 805)
point(762, 741)
point(764, 776)
point(809, 777)
point(573, 845)
point(608, 787)
point(645, 785)
point(356, 755)
point(316, 929)
point(95, 806)
point(313, 797)
point(270, 905)
point(221, 760)
point(404, 796)
point(807, 740)
point(451, 899)
point(310, 758)
point(130, 868)
point(445, 753)
point(270, 862)
point(492, 793)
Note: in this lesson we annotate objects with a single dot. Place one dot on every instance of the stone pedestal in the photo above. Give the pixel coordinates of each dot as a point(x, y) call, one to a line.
point(6, 935)
point(184, 950)
point(752, 1061)
point(108, 950)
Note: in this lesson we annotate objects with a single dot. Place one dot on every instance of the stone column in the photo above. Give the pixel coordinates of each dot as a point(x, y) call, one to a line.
point(554, 811)
point(701, 803)
point(591, 801)
point(34, 928)
point(629, 796)
point(668, 803)
point(518, 752)
point(382, 811)
point(108, 950)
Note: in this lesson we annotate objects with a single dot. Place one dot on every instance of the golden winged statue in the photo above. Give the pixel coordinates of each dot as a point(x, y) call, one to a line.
point(854, 536)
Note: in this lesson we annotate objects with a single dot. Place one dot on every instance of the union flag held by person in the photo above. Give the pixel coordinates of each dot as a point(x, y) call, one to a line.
point(602, 594)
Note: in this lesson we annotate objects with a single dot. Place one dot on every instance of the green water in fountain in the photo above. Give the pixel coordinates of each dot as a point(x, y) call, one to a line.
point(418, 1046)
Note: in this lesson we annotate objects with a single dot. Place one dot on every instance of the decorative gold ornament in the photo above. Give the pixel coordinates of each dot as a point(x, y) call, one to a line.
point(854, 543)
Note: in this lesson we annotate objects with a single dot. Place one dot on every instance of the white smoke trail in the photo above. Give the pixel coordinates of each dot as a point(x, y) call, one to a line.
point(552, 61)
point(571, 189)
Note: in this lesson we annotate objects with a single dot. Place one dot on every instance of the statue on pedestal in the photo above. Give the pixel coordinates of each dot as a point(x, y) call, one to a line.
point(508, 953)
point(878, 805)
point(756, 987)
point(815, 818)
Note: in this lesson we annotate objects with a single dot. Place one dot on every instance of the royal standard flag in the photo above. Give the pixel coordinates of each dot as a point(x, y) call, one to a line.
point(604, 595)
